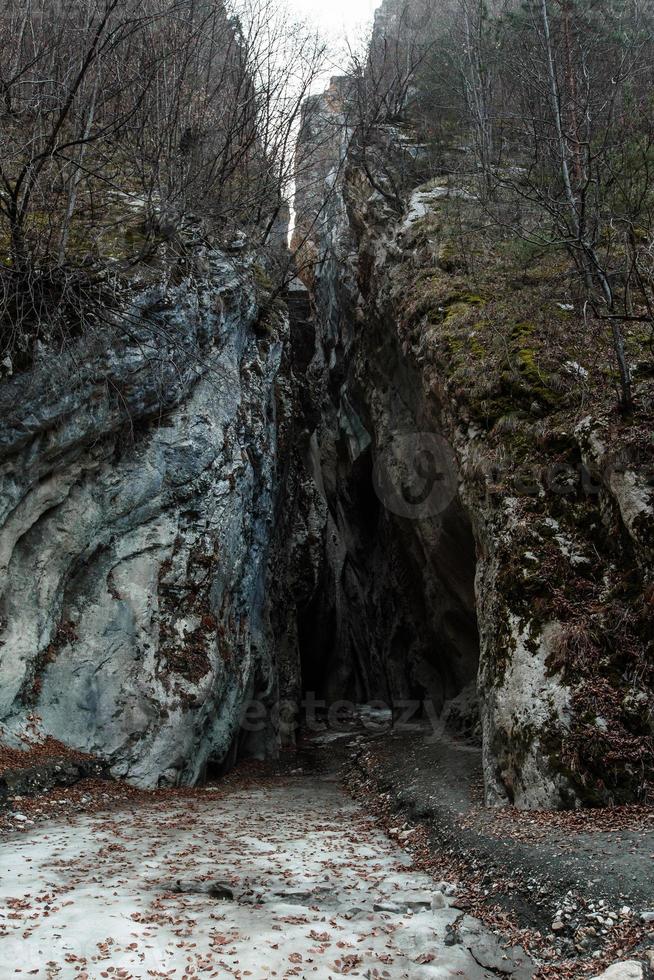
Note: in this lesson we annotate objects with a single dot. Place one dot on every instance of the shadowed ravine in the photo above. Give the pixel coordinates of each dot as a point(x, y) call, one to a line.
point(326, 545)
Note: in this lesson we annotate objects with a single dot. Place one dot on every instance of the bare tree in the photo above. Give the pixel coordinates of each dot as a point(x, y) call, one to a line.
point(554, 96)
point(129, 126)
point(382, 79)
point(577, 69)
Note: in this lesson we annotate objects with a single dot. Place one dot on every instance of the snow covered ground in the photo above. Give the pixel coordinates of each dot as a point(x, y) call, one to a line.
point(319, 892)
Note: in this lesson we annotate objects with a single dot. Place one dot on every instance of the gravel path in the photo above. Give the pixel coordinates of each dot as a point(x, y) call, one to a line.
point(318, 891)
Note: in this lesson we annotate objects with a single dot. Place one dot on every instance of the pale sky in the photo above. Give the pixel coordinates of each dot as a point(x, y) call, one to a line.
point(337, 18)
point(335, 15)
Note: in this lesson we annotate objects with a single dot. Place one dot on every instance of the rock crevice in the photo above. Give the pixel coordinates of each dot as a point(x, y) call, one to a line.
point(482, 528)
point(207, 505)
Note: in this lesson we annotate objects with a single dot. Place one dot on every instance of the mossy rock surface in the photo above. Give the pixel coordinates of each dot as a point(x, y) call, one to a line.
point(508, 356)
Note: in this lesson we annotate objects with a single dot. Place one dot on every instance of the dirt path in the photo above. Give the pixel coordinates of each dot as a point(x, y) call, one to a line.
point(319, 892)
point(605, 852)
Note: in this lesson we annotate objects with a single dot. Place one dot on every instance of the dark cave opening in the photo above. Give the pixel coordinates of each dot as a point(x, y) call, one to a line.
point(316, 627)
point(214, 770)
point(393, 617)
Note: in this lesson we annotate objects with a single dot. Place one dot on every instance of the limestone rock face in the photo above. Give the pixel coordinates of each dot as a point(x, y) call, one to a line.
point(199, 508)
point(477, 527)
point(392, 611)
point(626, 970)
point(137, 492)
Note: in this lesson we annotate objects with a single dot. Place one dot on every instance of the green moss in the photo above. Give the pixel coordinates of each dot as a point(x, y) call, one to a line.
point(476, 348)
point(532, 380)
point(522, 330)
point(455, 310)
point(427, 227)
point(449, 257)
point(532, 376)
point(454, 343)
point(262, 280)
point(432, 296)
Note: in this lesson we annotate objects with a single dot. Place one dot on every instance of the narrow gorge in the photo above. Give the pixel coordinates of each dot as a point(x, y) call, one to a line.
point(326, 465)
point(471, 505)
point(371, 487)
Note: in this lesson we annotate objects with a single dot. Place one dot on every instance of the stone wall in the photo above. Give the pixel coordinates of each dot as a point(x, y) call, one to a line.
point(138, 485)
point(528, 581)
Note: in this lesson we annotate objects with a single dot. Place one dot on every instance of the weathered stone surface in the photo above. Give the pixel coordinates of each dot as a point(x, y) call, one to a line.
point(490, 952)
point(391, 613)
point(296, 881)
point(215, 889)
point(197, 508)
point(36, 779)
point(428, 588)
point(627, 970)
point(137, 492)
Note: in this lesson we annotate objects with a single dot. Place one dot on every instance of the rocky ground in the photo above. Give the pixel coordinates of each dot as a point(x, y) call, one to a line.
point(608, 852)
point(574, 887)
point(280, 878)
point(392, 879)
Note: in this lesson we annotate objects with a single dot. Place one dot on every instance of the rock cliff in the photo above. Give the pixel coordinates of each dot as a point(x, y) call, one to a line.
point(139, 485)
point(489, 512)
point(408, 482)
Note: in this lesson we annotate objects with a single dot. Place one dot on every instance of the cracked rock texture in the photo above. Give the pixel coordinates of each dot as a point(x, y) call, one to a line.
point(206, 502)
point(137, 498)
point(392, 614)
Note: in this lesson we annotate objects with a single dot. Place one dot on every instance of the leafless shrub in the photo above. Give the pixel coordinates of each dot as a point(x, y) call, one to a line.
point(130, 128)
